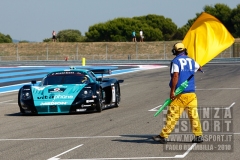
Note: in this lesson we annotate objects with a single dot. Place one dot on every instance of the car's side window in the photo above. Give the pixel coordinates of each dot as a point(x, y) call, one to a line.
point(92, 75)
point(43, 82)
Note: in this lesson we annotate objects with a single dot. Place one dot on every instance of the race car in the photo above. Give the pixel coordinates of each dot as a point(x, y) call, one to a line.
point(72, 90)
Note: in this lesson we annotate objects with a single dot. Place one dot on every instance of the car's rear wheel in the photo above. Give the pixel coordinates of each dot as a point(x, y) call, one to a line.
point(99, 106)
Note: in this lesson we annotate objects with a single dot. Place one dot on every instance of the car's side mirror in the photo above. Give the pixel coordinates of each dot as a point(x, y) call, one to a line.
point(99, 79)
point(34, 82)
point(120, 81)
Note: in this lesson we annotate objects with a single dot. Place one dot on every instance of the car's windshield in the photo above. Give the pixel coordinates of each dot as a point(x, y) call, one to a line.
point(66, 79)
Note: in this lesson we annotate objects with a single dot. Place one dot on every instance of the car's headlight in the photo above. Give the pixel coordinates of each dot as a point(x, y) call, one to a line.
point(26, 95)
point(85, 93)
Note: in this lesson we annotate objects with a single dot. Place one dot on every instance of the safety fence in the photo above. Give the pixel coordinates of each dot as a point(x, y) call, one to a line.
point(96, 51)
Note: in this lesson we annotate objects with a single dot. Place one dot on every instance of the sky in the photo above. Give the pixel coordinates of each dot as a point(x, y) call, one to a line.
point(34, 20)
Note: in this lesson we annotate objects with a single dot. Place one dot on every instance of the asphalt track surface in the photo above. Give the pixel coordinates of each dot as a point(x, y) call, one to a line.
point(124, 132)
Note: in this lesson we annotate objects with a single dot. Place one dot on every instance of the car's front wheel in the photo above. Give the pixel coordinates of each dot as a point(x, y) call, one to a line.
point(117, 91)
point(99, 106)
point(19, 103)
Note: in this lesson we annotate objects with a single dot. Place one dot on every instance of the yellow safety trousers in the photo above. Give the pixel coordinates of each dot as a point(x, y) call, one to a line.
point(187, 102)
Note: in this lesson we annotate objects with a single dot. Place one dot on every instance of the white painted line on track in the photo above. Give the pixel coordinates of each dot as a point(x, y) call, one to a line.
point(152, 66)
point(212, 89)
point(31, 66)
point(226, 107)
point(15, 85)
point(231, 105)
point(55, 157)
point(127, 158)
point(9, 91)
point(9, 103)
point(6, 101)
point(57, 138)
point(186, 153)
point(155, 108)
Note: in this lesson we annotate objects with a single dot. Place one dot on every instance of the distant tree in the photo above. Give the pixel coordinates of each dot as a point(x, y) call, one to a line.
point(5, 38)
point(155, 27)
point(235, 19)
point(47, 40)
point(121, 29)
point(223, 13)
point(70, 35)
point(165, 25)
point(191, 21)
point(152, 34)
point(180, 33)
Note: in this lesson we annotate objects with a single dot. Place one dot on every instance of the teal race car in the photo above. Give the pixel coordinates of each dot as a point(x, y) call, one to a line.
point(70, 91)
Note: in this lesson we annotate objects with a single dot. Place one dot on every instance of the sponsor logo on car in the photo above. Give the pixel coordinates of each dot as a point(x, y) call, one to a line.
point(56, 90)
point(86, 105)
point(56, 97)
point(89, 101)
point(81, 110)
point(57, 73)
point(52, 103)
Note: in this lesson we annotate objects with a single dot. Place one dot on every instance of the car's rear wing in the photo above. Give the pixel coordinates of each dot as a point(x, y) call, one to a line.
point(97, 69)
point(101, 71)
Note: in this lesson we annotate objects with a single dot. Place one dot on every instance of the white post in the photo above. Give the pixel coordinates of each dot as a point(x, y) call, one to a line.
point(106, 52)
point(77, 51)
point(47, 52)
point(17, 53)
point(136, 50)
point(164, 49)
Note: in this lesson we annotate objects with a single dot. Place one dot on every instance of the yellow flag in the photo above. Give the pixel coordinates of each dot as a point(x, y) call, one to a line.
point(207, 38)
